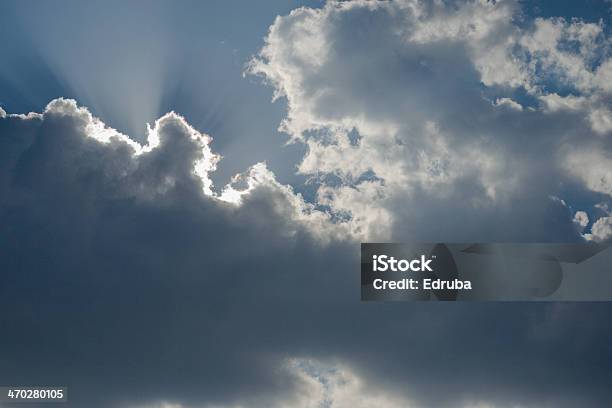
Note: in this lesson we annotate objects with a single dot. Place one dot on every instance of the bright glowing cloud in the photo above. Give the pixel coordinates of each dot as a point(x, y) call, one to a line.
point(442, 105)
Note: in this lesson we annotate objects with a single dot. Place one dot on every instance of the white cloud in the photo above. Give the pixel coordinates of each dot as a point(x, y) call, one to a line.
point(551, 49)
point(603, 76)
point(397, 122)
point(553, 102)
point(601, 230)
point(508, 102)
point(581, 219)
point(601, 120)
point(591, 166)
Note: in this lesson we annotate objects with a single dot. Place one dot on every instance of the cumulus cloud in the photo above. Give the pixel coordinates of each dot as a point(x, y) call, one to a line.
point(581, 219)
point(602, 229)
point(447, 111)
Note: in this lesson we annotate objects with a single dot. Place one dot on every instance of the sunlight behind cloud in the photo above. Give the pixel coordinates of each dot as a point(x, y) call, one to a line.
point(119, 65)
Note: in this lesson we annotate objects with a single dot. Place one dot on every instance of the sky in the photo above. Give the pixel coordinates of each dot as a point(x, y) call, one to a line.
point(184, 187)
point(131, 62)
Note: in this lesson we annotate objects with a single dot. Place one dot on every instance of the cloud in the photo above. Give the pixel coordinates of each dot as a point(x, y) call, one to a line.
point(420, 115)
point(327, 385)
point(132, 279)
point(581, 219)
point(96, 216)
point(592, 166)
point(123, 262)
point(602, 229)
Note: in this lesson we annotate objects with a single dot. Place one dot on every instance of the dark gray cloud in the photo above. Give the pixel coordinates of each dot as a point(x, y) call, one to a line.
point(125, 280)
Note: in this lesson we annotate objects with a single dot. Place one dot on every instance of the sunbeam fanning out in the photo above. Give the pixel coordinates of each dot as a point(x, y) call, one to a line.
point(131, 62)
point(118, 64)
